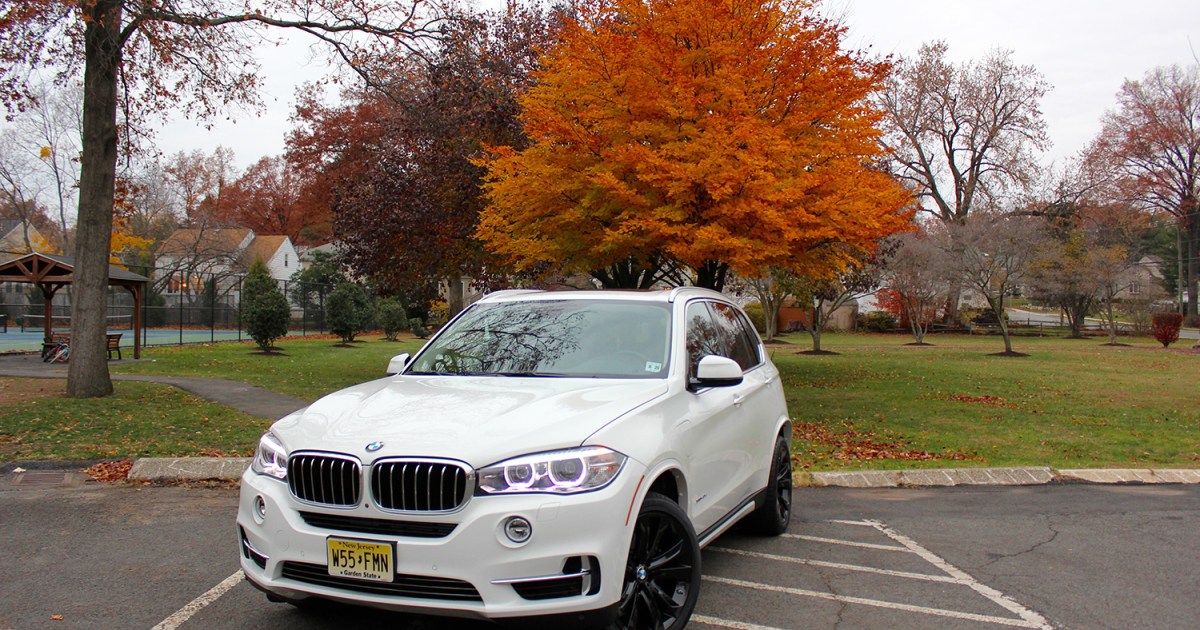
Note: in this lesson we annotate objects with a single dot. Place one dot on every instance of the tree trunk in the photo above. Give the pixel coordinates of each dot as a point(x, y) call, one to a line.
point(1112, 323)
point(711, 275)
point(629, 274)
point(1192, 220)
point(87, 376)
point(998, 309)
point(817, 323)
point(455, 295)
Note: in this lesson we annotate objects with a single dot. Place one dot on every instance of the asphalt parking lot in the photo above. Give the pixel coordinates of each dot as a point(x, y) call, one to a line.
point(1058, 556)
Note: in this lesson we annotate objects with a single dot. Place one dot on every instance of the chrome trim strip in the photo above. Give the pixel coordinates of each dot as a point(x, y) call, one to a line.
point(544, 578)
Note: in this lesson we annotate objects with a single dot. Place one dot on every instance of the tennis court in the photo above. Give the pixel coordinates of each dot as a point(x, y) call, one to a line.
point(31, 341)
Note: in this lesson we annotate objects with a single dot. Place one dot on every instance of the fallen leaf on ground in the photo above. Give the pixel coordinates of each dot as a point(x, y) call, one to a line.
point(117, 470)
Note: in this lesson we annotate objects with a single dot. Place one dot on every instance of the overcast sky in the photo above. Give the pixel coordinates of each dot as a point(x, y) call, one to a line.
point(1085, 48)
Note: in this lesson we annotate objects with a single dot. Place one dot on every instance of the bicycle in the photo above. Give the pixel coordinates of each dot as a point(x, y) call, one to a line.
point(60, 353)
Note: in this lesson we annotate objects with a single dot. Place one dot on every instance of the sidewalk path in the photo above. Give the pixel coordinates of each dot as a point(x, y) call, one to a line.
point(263, 403)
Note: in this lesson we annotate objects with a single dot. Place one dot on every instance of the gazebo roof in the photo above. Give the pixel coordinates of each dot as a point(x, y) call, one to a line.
point(39, 268)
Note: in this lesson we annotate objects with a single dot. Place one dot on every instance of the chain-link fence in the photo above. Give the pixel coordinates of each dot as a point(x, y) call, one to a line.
point(201, 308)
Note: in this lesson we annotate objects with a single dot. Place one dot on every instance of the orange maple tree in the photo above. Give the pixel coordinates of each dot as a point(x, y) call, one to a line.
point(717, 133)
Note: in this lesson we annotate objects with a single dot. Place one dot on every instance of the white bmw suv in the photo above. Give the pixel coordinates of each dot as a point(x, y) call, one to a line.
point(556, 455)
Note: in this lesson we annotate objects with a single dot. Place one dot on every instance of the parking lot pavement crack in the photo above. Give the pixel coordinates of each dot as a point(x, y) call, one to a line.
point(1052, 535)
point(827, 580)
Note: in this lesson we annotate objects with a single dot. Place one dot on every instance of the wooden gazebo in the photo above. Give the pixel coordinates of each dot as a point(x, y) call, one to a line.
point(51, 273)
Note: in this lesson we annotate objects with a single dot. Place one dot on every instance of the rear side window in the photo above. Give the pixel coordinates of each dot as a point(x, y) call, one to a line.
point(742, 344)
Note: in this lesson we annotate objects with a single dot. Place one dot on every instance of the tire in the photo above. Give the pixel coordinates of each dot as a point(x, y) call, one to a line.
point(773, 516)
point(662, 572)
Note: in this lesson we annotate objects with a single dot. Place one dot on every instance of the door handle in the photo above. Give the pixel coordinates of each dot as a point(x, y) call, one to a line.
point(738, 399)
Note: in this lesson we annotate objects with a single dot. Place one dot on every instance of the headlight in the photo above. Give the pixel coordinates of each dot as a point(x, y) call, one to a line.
point(559, 472)
point(271, 458)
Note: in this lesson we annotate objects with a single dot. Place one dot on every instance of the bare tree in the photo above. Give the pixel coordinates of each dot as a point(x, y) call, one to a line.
point(54, 127)
point(996, 250)
point(963, 132)
point(774, 288)
point(20, 187)
point(825, 294)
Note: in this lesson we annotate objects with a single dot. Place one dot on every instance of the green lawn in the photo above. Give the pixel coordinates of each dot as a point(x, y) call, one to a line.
point(304, 368)
point(138, 420)
point(1070, 403)
point(876, 404)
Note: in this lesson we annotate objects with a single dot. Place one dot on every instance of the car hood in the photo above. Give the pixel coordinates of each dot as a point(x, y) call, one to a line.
point(476, 419)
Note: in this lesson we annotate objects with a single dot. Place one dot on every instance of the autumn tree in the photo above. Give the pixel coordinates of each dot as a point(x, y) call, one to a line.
point(406, 196)
point(1151, 142)
point(720, 135)
point(266, 198)
point(914, 270)
point(146, 57)
point(995, 251)
point(198, 182)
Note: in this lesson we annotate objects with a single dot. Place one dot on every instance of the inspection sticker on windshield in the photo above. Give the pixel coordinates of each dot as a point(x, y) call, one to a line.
point(361, 559)
point(651, 366)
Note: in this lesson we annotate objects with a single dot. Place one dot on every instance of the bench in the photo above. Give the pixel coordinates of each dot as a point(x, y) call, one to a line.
point(113, 339)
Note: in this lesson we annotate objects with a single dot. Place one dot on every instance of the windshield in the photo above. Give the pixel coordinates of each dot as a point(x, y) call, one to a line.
point(576, 338)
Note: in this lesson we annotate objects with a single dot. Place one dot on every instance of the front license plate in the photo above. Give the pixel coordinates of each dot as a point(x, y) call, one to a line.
point(361, 559)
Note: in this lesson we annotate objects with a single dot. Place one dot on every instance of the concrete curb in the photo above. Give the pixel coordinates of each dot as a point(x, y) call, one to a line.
point(168, 470)
point(999, 477)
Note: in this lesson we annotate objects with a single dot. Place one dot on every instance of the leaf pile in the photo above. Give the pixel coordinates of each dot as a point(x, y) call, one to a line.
point(111, 471)
point(994, 401)
point(845, 444)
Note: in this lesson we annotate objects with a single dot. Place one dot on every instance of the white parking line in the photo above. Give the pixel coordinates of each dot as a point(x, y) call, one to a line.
point(183, 614)
point(848, 543)
point(838, 565)
point(954, 614)
point(1035, 620)
point(953, 575)
point(725, 623)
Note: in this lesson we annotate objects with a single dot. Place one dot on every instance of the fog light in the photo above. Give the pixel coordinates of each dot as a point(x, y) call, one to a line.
point(260, 508)
point(518, 529)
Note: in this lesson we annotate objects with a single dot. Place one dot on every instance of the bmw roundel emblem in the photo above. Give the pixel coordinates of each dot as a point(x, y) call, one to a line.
point(374, 446)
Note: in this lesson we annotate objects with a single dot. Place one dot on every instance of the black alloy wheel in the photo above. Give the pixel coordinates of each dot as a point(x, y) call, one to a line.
point(662, 574)
point(773, 516)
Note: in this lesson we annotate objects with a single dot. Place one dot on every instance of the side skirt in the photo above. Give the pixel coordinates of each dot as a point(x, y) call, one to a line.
point(744, 508)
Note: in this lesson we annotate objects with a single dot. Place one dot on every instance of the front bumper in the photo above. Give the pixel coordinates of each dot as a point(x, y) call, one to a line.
point(573, 563)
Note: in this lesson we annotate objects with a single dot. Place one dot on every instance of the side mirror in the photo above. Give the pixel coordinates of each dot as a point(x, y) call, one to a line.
point(717, 371)
point(397, 364)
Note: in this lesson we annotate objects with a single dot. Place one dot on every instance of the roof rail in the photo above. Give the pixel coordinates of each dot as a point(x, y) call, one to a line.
point(508, 293)
point(698, 291)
